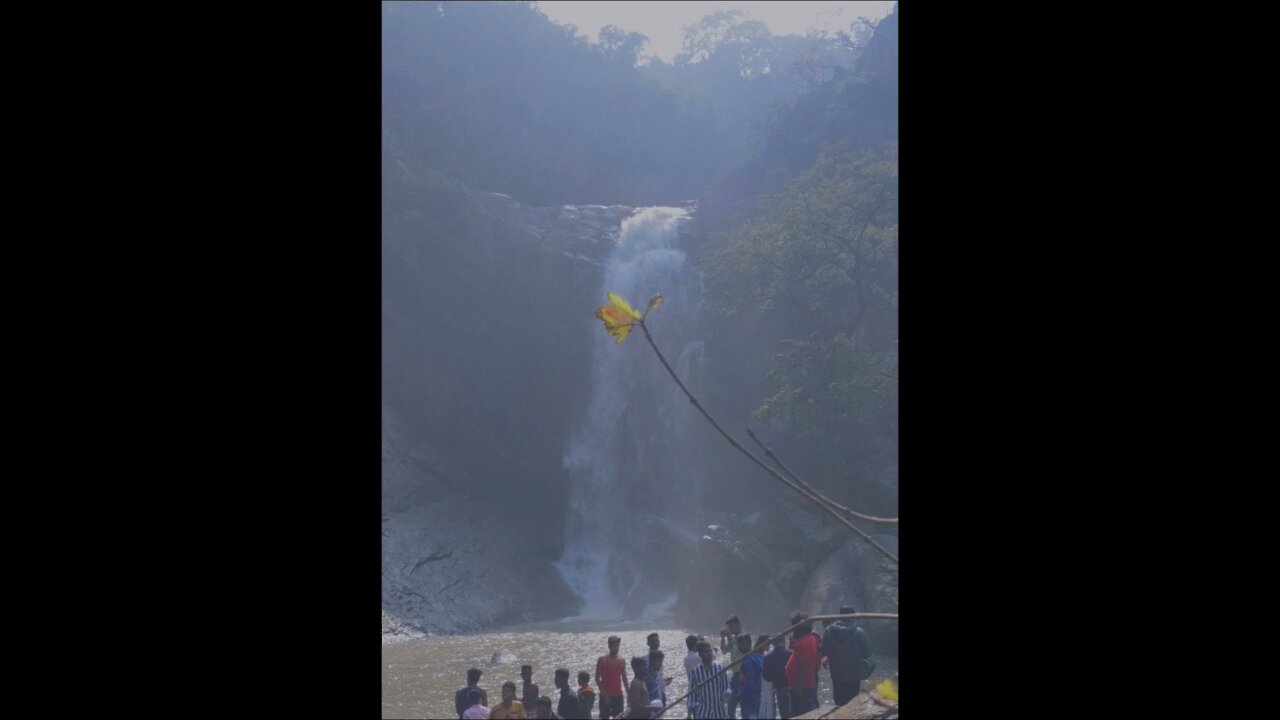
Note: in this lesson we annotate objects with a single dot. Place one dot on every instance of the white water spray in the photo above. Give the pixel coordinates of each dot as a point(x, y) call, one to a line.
point(634, 463)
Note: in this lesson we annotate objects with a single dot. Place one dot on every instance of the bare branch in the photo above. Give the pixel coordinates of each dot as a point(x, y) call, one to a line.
point(769, 454)
point(772, 473)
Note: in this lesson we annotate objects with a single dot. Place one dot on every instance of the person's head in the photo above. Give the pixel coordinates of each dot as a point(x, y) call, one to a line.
point(526, 672)
point(691, 642)
point(847, 610)
point(761, 641)
point(640, 665)
point(473, 676)
point(584, 678)
point(734, 625)
point(780, 642)
point(562, 678)
point(473, 697)
point(653, 641)
point(543, 704)
point(655, 660)
point(805, 628)
point(744, 643)
point(615, 642)
point(508, 691)
point(704, 652)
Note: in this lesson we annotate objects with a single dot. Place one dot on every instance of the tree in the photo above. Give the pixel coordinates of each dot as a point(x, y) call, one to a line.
point(816, 270)
point(618, 45)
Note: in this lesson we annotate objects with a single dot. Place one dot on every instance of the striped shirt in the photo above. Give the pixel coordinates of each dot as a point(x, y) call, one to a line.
point(691, 661)
point(708, 701)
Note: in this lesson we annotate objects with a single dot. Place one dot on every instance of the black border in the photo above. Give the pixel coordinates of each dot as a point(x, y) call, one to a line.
point(990, 587)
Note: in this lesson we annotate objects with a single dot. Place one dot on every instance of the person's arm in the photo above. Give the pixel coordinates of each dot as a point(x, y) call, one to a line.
point(864, 643)
point(625, 684)
point(599, 660)
point(484, 697)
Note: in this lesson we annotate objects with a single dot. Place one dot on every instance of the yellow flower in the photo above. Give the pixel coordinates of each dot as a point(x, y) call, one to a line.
point(618, 317)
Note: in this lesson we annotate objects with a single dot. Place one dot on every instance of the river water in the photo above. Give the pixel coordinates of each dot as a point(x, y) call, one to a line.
point(420, 677)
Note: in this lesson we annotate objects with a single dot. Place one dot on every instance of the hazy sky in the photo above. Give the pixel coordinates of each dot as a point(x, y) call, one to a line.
point(663, 20)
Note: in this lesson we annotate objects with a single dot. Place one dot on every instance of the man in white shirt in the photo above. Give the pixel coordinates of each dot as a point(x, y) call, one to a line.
point(691, 661)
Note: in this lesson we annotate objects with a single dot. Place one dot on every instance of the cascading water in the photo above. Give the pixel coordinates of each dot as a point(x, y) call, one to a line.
point(634, 464)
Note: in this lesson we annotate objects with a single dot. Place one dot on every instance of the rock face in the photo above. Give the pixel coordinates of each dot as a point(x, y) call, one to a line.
point(485, 343)
point(768, 564)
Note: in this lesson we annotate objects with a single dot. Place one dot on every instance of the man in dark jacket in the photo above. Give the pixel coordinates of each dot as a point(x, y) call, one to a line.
point(460, 700)
point(846, 647)
point(775, 663)
point(568, 706)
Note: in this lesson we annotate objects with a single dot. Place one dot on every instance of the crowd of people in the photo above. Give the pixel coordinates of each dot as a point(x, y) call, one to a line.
point(774, 680)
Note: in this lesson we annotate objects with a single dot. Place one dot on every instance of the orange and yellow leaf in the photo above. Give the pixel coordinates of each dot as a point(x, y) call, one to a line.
point(887, 690)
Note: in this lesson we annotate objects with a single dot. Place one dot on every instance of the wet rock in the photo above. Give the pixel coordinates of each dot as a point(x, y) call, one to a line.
point(502, 658)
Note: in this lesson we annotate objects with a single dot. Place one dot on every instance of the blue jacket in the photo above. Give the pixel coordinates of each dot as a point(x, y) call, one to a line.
point(749, 690)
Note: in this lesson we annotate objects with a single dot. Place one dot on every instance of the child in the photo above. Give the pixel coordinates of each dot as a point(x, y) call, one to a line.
point(586, 696)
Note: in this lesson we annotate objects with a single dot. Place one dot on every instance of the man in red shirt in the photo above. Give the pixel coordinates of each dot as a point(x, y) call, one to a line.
point(611, 678)
point(802, 667)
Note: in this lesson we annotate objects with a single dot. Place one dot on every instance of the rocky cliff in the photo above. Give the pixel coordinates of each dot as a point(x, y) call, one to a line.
point(486, 314)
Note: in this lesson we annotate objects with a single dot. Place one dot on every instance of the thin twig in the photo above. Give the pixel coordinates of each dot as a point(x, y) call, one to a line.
point(773, 473)
point(777, 461)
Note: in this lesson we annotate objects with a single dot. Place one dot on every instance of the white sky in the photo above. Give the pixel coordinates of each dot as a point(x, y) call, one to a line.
point(663, 21)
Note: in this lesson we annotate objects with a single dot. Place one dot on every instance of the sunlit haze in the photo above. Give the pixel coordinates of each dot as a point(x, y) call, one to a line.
point(663, 21)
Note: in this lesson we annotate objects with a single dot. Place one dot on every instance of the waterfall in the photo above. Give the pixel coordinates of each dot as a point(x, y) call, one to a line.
point(634, 464)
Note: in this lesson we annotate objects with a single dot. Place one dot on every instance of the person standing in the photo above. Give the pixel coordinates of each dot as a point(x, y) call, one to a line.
point(729, 644)
point(475, 711)
point(640, 669)
point(586, 696)
point(461, 701)
point(611, 678)
point(510, 708)
point(775, 664)
point(708, 700)
point(802, 667)
point(847, 648)
point(691, 661)
point(529, 689)
point(568, 705)
point(766, 687)
point(750, 685)
point(656, 681)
